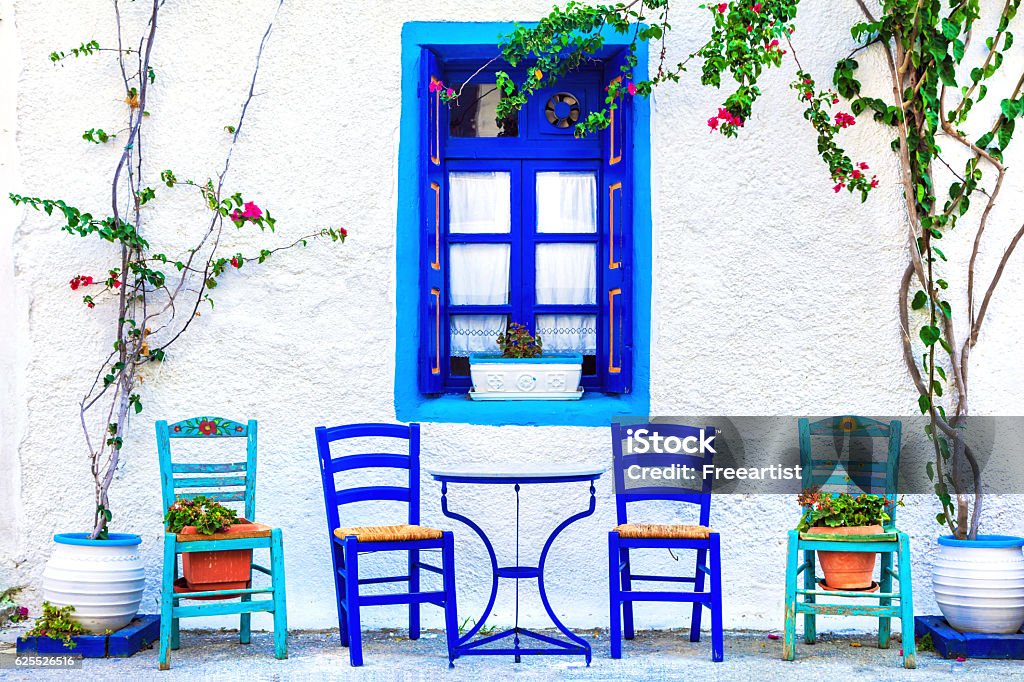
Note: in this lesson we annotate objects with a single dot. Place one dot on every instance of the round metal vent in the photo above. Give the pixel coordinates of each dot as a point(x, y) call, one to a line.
point(562, 110)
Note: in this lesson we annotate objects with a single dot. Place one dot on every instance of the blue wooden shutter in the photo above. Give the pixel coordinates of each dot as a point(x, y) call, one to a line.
point(616, 339)
point(433, 322)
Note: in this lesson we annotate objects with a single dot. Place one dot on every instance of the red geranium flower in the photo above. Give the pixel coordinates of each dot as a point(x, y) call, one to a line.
point(207, 427)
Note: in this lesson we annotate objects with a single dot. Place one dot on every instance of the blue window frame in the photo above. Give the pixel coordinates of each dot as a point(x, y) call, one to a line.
point(431, 381)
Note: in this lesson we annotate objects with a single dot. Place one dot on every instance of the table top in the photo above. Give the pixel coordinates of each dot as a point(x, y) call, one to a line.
point(528, 473)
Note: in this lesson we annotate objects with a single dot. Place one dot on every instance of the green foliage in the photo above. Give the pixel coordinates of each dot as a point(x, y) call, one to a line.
point(843, 510)
point(56, 623)
point(208, 516)
point(97, 136)
point(517, 342)
point(83, 50)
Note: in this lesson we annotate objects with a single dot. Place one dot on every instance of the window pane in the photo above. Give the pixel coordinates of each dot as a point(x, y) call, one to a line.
point(568, 333)
point(479, 203)
point(478, 274)
point(566, 274)
point(474, 113)
point(567, 202)
point(476, 333)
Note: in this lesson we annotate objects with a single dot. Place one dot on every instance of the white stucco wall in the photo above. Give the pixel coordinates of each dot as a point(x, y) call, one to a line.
point(771, 294)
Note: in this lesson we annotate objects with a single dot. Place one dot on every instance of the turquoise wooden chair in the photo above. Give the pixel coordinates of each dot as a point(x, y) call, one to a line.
point(834, 474)
point(229, 482)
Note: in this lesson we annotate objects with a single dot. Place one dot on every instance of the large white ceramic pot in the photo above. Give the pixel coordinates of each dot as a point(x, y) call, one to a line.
point(979, 584)
point(102, 579)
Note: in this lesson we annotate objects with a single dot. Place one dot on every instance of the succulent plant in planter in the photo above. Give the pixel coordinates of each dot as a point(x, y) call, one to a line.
point(522, 371)
point(218, 569)
point(845, 514)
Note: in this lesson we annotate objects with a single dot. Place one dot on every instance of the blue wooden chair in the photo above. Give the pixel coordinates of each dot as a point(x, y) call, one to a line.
point(230, 482)
point(348, 542)
point(629, 536)
point(832, 473)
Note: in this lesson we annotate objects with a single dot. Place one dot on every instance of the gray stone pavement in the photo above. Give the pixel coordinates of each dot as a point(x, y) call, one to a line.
point(653, 655)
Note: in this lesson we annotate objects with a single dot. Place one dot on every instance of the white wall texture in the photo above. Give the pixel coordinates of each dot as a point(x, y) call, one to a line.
point(772, 295)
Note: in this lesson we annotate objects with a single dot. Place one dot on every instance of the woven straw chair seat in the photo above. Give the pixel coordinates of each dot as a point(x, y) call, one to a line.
point(662, 530)
point(397, 533)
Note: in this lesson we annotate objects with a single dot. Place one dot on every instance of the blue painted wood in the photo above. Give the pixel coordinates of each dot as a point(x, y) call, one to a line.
point(223, 488)
point(538, 147)
point(86, 646)
point(345, 551)
point(950, 643)
point(707, 564)
point(134, 637)
point(877, 477)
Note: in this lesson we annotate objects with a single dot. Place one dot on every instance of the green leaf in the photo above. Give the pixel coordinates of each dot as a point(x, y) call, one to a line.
point(930, 470)
point(920, 298)
point(924, 402)
point(930, 334)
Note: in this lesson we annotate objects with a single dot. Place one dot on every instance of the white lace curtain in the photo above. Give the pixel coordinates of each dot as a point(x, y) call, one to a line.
point(566, 273)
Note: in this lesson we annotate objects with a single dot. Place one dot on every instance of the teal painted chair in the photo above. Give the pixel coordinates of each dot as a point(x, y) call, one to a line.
point(225, 482)
point(835, 473)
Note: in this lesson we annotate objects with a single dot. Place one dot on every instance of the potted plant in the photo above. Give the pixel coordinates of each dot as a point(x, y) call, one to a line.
point(844, 514)
point(216, 570)
point(56, 624)
point(521, 371)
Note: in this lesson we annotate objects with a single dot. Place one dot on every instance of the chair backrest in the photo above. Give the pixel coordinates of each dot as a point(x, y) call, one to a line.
point(223, 482)
point(407, 438)
point(699, 494)
point(853, 465)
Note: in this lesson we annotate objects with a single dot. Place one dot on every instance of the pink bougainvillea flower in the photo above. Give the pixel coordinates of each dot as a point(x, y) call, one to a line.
point(722, 7)
point(838, 187)
point(235, 263)
point(844, 120)
point(631, 88)
point(236, 215)
point(252, 210)
point(874, 181)
point(856, 174)
point(773, 44)
point(342, 231)
point(756, 8)
point(449, 92)
point(75, 283)
point(436, 85)
point(713, 123)
point(91, 304)
point(86, 280)
point(862, 166)
point(750, 28)
point(23, 611)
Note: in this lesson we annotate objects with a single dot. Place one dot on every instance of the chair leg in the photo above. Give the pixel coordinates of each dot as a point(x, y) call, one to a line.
point(338, 561)
point(906, 604)
point(280, 604)
point(614, 596)
point(175, 625)
point(627, 586)
point(885, 585)
point(414, 586)
point(810, 583)
point(245, 623)
point(167, 601)
point(175, 629)
point(451, 613)
point(698, 586)
point(792, 564)
point(355, 644)
point(717, 633)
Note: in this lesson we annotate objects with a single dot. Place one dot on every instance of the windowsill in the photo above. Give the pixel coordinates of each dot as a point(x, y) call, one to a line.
point(593, 409)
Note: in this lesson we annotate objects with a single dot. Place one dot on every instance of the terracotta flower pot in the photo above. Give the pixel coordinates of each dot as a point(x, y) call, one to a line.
point(847, 570)
point(221, 569)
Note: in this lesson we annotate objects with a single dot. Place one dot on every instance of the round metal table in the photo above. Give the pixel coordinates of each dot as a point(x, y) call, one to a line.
point(540, 643)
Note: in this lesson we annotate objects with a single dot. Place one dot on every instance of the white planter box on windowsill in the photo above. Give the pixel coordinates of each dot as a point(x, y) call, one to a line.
point(549, 377)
